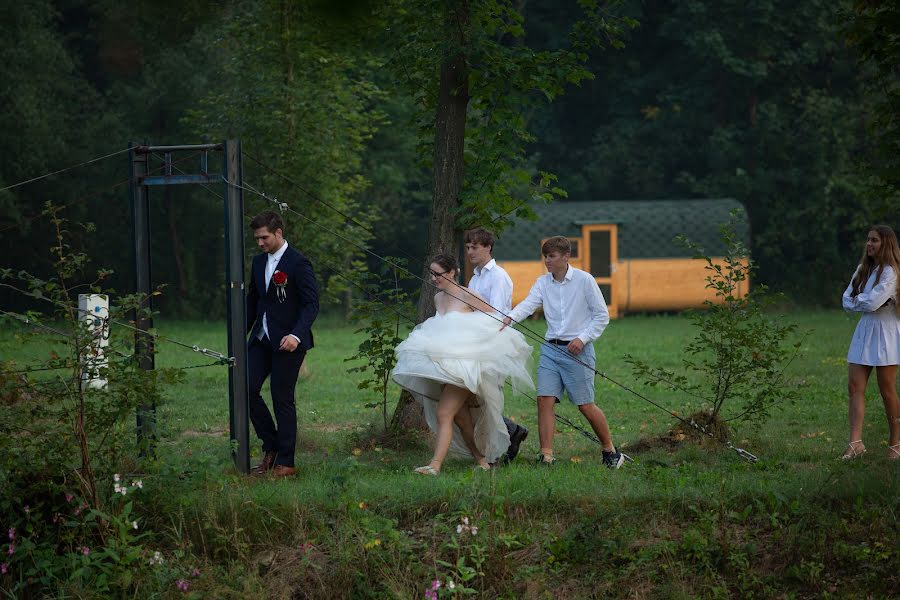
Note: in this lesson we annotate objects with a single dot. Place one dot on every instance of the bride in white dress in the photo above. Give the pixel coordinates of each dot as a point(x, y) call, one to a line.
point(455, 364)
point(874, 291)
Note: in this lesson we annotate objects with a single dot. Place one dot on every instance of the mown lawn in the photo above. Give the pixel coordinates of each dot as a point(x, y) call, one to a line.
point(696, 521)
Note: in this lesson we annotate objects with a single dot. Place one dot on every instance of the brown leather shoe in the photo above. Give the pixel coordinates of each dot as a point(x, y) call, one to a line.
point(268, 461)
point(283, 471)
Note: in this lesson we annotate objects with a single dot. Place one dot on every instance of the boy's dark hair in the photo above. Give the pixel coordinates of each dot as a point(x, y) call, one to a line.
point(480, 235)
point(270, 220)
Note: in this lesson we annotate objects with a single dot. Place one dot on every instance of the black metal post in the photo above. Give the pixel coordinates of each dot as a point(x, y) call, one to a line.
point(238, 381)
point(143, 343)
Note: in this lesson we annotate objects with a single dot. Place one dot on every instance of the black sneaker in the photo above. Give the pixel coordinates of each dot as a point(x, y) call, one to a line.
point(614, 459)
point(545, 461)
point(515, 441)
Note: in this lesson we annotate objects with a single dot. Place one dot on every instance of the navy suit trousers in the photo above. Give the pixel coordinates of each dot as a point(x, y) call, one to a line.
point(282, 368)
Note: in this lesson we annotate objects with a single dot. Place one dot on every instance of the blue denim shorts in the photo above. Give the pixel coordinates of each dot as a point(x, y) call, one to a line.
point(558, 371)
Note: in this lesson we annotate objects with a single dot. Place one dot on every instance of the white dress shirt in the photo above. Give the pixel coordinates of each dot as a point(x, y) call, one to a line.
point(494, 285)
point(573, 307)
point(271, 264)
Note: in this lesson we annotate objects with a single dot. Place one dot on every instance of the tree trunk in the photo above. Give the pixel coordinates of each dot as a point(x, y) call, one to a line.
point(447, 181)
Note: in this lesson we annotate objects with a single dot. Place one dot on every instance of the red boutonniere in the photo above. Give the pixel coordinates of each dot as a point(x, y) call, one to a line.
point(280, 279)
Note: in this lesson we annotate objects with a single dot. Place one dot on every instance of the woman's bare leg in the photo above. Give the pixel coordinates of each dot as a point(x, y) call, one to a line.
point(887, 385)
point(857, 378)
point(452, 400)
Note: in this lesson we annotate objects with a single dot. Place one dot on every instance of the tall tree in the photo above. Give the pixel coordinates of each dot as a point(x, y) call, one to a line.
point(476, 82)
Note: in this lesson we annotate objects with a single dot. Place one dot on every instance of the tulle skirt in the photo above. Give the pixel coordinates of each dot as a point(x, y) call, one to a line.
point(465, 349)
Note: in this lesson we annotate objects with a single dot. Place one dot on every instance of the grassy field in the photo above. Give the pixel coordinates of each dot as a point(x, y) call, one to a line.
point(696, 521)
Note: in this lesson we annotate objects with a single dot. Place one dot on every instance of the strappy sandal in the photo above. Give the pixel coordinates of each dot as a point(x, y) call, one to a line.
point(895, 452)
point(853, 451)
point(428, 470)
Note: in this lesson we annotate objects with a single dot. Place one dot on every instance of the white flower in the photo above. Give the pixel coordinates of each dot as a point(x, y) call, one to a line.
point(134, 524)
point(138, 483)
point(450, 584)
point(474, 530)
point(116, 478)
point(459, 529)
point(157, 558)
point(466, 520)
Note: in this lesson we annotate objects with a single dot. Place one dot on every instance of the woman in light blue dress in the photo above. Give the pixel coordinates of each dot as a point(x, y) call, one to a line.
point(874, 291)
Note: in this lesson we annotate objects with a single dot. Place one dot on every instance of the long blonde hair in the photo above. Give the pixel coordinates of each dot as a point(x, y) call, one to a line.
point(888, 255)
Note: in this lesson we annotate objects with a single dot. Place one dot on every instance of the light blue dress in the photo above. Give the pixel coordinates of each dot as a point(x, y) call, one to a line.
point(876, 341)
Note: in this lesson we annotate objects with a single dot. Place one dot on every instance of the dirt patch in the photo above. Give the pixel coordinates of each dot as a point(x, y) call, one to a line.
point(193, 433)
point(683, 433)
point(375, 437)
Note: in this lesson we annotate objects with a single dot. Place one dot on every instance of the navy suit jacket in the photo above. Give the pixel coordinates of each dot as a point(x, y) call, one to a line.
point(295, 315)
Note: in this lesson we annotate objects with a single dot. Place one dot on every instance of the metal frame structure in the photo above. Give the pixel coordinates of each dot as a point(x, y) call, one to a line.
point(232, 175)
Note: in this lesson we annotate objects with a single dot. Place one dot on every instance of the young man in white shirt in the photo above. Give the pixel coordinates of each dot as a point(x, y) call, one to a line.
point(495, 286)
point(576, 315)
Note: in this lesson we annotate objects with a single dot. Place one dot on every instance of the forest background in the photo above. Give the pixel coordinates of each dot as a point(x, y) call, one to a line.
point(767, 102)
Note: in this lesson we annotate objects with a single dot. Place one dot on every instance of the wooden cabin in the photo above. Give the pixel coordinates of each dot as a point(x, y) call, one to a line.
point(628, 246)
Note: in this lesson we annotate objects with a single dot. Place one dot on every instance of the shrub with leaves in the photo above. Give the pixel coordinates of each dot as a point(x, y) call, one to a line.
point(380, 313)
point(740, 351)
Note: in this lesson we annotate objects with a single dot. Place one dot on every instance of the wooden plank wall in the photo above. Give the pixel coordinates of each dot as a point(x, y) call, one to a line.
point(639, 285)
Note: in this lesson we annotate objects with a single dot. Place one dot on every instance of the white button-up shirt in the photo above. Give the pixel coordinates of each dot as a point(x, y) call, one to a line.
point(573, 307)
point(271, 263)
point(494, 285)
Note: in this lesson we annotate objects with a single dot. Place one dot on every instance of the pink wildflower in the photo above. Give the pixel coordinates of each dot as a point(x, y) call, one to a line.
point(195, 572)
point(85, 550)
point(3, 568)
point(12, 533)
point(183, 585)
point(11, 550)
point(69, 497)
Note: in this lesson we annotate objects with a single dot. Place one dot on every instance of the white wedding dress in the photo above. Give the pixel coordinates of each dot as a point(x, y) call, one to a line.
point(466, 349)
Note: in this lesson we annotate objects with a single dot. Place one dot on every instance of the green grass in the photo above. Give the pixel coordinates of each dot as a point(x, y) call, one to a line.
point(698, 521)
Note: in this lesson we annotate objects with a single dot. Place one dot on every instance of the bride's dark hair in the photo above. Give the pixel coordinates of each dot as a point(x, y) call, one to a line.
point(446, 262)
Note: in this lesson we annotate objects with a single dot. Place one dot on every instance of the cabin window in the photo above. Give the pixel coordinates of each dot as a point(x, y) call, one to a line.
point(601, 253)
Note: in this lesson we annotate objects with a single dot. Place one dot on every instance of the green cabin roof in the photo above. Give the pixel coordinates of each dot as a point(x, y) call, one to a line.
point(646, 228)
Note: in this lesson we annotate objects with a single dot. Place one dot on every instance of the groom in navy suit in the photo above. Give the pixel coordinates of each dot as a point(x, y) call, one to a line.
point(282, 303)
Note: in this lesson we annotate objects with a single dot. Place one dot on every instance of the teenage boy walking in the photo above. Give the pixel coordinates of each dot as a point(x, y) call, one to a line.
point(576, 315)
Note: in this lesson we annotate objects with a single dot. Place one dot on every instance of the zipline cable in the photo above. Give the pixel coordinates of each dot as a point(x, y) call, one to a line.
point(81, 164)
point(223, 359)
point(90, 195)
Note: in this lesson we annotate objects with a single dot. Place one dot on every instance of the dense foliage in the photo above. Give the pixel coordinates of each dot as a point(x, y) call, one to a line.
point(769, 104)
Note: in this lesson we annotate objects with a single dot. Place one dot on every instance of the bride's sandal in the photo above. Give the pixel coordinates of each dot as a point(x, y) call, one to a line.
point(894, 453)
point(853, 451)
point(429, 470)
point(482, 465)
